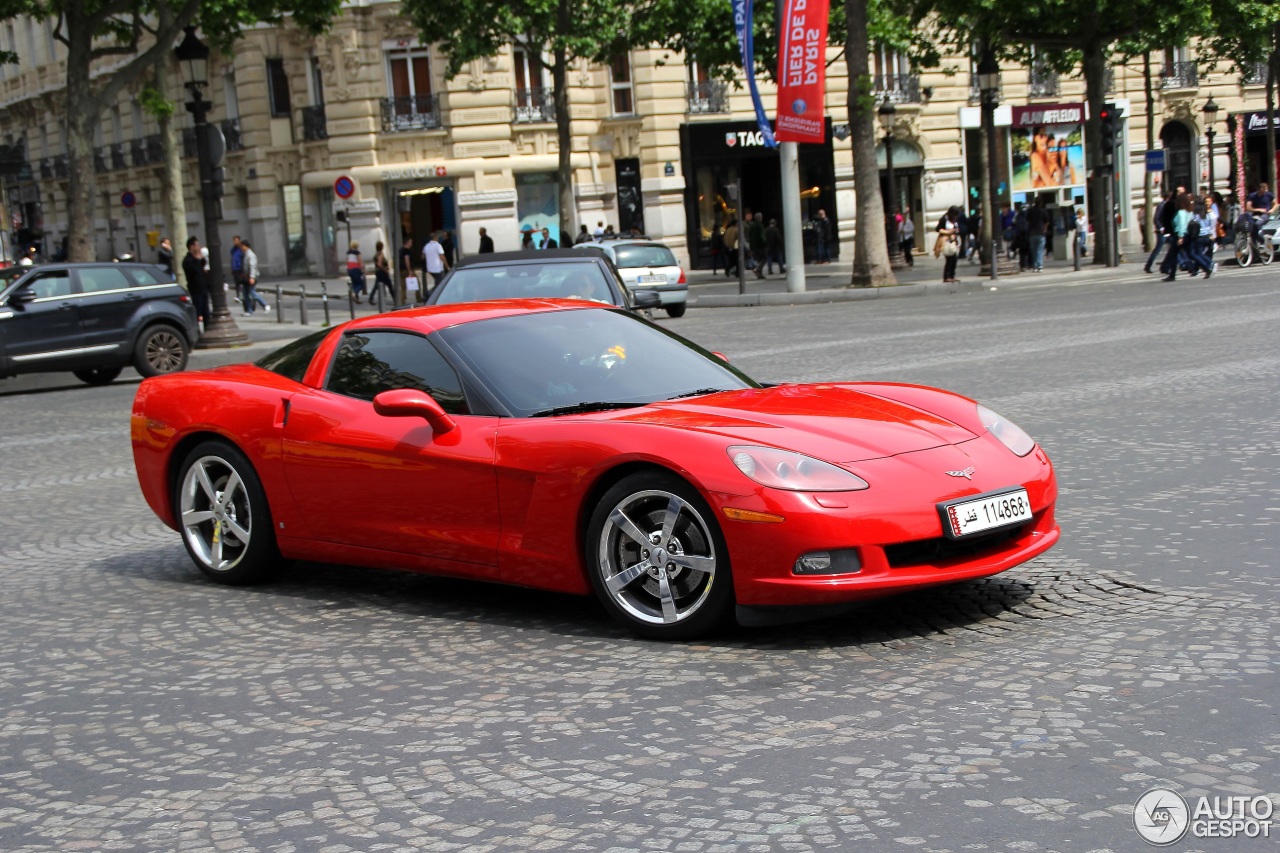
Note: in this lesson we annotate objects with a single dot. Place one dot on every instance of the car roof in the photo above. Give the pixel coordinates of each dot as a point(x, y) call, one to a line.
point(85, 264)
point(525, 257)
point(431, 318)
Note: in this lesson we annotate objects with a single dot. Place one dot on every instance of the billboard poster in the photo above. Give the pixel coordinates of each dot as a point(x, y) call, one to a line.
point(1047, 147)
point(801, 74)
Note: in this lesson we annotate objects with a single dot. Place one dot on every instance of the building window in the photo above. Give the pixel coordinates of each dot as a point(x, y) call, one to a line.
point(620, 83)
point(317, 82)
point(278, 89)
point(230, 96)
point(893, 79)
point(705, 94)
point(533, 99)
point(888, 62)
point(410, 73)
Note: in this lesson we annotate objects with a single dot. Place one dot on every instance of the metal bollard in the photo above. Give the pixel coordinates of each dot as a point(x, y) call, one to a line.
point(302, 305)
point(351, 302)
point(279, 303)
point(381, 291)
point(324, 300)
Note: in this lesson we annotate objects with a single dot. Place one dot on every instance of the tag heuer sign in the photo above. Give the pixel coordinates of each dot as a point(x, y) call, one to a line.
point(731, 139)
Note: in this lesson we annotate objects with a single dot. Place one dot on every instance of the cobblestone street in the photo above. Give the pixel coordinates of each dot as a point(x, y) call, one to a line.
point(341, 709)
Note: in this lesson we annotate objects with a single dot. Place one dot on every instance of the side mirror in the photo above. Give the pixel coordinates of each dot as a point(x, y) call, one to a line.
point(22, 296)
point(646, 299)
point(409, 403)
point(721, 356)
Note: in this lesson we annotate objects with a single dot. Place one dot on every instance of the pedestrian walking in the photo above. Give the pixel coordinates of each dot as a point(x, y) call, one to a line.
point(237, 271)
point(355, 270)
point(1160, 227)
point(249, 268)
point(382, 274)
point(731, 248)
point(907, 237)
point(717, 250)
point(197, 276)
point(1197, 243)
point(823, 237)
point(164, 255)
point(486, 242)
point(584, 236)
point(773, 246)
point(1178, 223)
point(1037, 223)
point(948, 243)
point(435, 262)
point(450, 248)
point(548, 242)
point(1022, 236)
point(757, 243)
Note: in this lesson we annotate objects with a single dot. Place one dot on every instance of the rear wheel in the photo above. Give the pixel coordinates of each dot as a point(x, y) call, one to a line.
point(677, 309)
point(160, 349)
point(1244, 250)
point(222, 512)
point(98, 375)
point(657, 558)
point(1266, 248)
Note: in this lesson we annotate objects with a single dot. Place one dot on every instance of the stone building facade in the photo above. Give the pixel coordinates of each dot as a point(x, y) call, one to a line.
point(656, 144)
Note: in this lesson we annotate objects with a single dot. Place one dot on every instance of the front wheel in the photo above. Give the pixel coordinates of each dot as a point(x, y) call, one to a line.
point(222, 512)
point(98, 375)
point(160, 349)
point(1244, 247)
point(657, 559)
point(1266, 249)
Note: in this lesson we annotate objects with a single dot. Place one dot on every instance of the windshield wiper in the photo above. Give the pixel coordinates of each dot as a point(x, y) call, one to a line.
point(578, 408)
point(697, 393)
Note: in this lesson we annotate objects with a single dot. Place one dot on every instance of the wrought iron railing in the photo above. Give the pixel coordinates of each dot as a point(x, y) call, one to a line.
point(1255, 75)
point(535, 105)
point(412, 112)
point(101, 159)
point(231, 133)
point(118, 160)
point(315, 127)
point(1179, 75)
point(60, 168)
point(46, 168)
point(975, 91)
point(1043, 83)
point(898, 88)
point(708, 97)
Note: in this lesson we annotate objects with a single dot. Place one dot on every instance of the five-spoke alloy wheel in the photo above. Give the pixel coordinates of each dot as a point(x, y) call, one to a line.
point(222, 513)
point(657, 558)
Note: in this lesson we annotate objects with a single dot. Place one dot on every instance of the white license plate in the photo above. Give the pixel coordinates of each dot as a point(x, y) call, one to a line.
point(652, 279)
point(985, 512)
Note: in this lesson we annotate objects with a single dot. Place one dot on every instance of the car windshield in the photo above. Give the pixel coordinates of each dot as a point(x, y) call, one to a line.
point(526, 281)
point(539, 362)
point(640, 255)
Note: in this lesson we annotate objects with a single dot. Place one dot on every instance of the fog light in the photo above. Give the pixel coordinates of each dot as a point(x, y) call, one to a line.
point(841, 562)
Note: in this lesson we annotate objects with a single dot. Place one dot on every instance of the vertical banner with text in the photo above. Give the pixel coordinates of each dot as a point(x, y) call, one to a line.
point(744, 29)
point(802, 71)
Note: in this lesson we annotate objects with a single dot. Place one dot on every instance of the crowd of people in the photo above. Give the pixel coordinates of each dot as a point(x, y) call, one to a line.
point(763, 246)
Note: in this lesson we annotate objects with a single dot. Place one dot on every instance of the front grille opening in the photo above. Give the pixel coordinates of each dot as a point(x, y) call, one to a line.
point(944, 550)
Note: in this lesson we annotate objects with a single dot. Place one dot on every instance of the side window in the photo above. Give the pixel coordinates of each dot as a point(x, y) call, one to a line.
point(50, 284)
point(372, 362)
point(143, 276)
point(96, 279)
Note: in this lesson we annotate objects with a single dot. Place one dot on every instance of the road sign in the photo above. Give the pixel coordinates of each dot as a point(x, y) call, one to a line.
point(344, 187)
point(128, 199)
point(1155, 160)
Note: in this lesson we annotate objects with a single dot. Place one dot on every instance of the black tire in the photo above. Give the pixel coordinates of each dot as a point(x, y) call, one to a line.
point(1244, 254)
point(98, 375)
point(665, 601)
point(676, 310)
point(226, 470)
point(160, 349)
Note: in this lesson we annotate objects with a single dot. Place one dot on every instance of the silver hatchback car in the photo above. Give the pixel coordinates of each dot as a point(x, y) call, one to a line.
point(648, 265)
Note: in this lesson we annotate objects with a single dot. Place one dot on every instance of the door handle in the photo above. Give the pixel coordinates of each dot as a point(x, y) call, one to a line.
point(132, 297)
point(67, 305)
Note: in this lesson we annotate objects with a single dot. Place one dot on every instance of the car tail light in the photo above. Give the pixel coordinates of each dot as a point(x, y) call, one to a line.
point(184, 298)
point(682, 279)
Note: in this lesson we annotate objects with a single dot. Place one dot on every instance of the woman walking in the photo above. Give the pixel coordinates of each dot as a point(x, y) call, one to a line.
point(907, 236)
point(948, 243)
point(382, 274)
point(355, 270)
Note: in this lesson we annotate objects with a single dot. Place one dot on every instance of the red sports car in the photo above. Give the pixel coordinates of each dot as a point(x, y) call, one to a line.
point(575, 447)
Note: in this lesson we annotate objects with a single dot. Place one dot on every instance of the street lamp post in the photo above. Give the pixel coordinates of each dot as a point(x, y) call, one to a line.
point(220, 330)
point(1210, 110)
point(989, 86)
point(1231, 158)
point(888, 114)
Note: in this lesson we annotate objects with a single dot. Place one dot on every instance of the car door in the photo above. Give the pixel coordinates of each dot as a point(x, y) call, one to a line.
point(108, 302)
point(41, 332)
point(360, 478)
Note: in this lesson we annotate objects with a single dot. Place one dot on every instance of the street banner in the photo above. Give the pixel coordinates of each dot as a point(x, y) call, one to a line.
point(742, 26)
point(802, 67)
point(1047, 142)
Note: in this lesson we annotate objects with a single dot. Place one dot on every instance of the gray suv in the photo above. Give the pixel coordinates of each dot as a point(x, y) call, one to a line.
point(94, 320)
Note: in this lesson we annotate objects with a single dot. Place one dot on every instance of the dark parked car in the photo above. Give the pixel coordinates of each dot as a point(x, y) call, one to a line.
point(549, 274)
point(94, 320)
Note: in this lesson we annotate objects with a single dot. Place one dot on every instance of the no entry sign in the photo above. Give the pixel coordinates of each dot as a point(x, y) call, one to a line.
point(128, 199)
point(344, 187)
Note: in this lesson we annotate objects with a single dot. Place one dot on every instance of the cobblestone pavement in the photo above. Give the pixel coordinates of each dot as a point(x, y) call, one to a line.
point(338, 709)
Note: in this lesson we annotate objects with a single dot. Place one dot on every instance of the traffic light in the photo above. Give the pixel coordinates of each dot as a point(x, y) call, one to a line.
point(1107, 125)
point(340, 214)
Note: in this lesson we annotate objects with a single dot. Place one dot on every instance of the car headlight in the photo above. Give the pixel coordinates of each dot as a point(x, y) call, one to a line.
point(1010, 434)
point(795, 472)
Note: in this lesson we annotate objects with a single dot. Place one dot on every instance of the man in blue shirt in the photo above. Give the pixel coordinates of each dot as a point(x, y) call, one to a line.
point(237, 271)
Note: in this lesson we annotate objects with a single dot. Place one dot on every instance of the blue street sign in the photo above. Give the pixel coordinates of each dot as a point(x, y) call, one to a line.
point(128, 199)
point(1155, 160)
point(344, 187)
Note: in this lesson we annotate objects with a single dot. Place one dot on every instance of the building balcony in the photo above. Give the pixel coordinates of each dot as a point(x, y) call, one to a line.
point(409, 113)
point(231, 133)
point(898, 88)
point(1255, 75)
point(101, 160)
point(708, 97)
point(534, 105)
point(147, 150)
point(314, 126)
point(1043, 83)
point(60, 168)
point(46, 168)
point(118, 160)
point(1179, 75)
point(975, 91)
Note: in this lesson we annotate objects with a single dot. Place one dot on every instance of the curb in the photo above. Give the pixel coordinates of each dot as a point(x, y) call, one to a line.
point(843, 294)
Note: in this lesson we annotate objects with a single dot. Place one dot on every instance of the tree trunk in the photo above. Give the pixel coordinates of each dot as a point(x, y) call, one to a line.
point(83, 115)
point(1148, 221)
point(870, 246)
point(1095, 78)
point(171, 184)
point(564, 132)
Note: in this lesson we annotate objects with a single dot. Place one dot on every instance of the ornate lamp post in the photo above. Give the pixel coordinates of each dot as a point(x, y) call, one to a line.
point(1210, 110)
point(989, 86)
point(220, 330)
point(887, 115)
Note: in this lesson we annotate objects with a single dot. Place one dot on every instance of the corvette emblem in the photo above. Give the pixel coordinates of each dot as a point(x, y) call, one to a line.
point(967, 473)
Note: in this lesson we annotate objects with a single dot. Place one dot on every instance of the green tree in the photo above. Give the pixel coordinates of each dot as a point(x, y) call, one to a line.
point(133, 34)
point(1245, 34)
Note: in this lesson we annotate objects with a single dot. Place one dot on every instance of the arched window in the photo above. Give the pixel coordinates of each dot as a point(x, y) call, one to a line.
point(1178, 166)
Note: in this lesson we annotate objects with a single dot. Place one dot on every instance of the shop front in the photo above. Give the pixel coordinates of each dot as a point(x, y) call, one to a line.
point(720, 156)
point(1253, 148)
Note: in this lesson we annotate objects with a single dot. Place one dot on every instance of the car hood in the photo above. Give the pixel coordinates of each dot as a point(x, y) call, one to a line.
point(838, 423)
